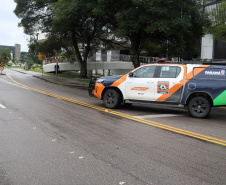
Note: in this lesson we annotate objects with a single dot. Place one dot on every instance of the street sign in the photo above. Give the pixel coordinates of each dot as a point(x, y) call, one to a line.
point(57, 57)
point(41, 56)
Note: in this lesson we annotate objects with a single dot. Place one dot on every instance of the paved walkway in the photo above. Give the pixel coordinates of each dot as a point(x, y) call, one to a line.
point(53, 79)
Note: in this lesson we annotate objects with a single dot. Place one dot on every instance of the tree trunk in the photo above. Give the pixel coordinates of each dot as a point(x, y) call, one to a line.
point(135, 40)
point(83, 69)
point(82, 63)
point(136, 53)
point(135, 58)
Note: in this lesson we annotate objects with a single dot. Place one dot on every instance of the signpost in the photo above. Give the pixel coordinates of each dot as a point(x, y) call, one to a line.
point(42, 56)
point(1, 67)
point(57, 57)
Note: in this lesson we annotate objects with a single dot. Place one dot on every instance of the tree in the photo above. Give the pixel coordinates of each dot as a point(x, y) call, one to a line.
point(35, 15)
point(86, 25)
point(75, 24)
point(218, 22)
point(175, 23)
point(14, 61)
point(81, 23)
point(5, 56)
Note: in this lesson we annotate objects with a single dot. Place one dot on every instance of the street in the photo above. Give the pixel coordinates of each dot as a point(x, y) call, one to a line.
point(54, 134)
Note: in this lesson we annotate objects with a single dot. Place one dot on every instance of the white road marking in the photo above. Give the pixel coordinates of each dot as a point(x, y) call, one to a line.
point(81, 157)
point(2, 106)
point(19, 75)
point(157, 116)
point(121, 183)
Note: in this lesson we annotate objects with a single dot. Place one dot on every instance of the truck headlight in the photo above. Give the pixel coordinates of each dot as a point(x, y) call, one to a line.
point(100, 81)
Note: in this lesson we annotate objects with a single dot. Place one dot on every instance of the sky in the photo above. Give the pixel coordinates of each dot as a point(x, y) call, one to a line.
point(10, 33)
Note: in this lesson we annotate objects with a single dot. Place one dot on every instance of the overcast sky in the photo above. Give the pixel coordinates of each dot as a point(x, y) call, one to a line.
point(10, 33)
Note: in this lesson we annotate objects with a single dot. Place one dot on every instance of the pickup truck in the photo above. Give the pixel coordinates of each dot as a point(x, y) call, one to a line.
point(195, 86)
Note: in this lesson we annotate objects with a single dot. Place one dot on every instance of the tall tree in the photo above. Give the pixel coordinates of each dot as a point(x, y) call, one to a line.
point(173, 22)
point(5, 56)
point(76, 24)
point(79, 21)
point(218, 20)
point(88, 24)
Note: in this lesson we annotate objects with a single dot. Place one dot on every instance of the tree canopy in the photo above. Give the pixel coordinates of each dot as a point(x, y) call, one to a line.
point(5, 56)
point(80, 27)
point(175, 23)
point(218, 20)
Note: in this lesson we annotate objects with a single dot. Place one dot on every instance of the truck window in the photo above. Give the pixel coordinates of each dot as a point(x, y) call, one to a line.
point(144, 72)
point(169, 71)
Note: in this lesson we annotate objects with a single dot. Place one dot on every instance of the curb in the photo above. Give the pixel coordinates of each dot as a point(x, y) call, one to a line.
point(85, 86)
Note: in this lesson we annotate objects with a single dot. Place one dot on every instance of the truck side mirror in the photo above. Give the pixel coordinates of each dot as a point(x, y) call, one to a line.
point(131, 74)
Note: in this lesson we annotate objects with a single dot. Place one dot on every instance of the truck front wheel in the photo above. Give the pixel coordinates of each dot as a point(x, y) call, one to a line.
point(111, 98)
point(199, 107)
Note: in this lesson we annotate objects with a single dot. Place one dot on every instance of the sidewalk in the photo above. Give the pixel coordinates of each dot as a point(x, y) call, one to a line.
point(73, 82)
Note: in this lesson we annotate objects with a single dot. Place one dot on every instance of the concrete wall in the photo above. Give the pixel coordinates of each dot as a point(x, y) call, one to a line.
point(114, 67)
point(207, 47)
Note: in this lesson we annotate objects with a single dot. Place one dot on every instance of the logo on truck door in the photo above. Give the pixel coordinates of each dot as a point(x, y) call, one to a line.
point(139, 88)
point(163, 87)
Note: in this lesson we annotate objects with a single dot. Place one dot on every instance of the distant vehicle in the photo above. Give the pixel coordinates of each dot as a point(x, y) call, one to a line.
point(197, 86)
point(163, 60)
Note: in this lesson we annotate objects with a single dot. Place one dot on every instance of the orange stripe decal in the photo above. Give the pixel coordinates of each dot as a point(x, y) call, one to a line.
point(120, 80)
point(173, 89)
point(196, 71)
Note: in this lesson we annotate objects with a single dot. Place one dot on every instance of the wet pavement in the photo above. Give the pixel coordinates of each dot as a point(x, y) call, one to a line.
point(74, 82)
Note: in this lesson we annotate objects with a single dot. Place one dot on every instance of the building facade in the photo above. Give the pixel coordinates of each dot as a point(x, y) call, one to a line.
point(15, 51)
point(211, 49)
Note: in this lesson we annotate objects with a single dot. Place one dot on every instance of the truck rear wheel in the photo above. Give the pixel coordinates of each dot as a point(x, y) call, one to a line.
point(111, 98)
point(199, 107)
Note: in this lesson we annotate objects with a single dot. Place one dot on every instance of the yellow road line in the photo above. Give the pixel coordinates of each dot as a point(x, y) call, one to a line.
point(127, 116)
point(223, 107)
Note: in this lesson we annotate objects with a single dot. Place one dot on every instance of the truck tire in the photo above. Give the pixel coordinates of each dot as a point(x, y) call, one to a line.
point(199, 107)
point(111, 99)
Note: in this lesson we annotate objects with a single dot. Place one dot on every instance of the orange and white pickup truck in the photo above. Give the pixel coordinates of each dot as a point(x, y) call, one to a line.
point(197, 86)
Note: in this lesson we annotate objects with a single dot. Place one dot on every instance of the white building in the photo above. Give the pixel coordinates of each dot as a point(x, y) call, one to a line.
point(210, 49)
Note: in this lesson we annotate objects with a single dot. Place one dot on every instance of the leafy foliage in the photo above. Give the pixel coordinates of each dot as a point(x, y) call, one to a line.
point(5, 56)
point(79, 23)
point(175, 23)
point(80, 26)
point(35, 15)
point(218, 20)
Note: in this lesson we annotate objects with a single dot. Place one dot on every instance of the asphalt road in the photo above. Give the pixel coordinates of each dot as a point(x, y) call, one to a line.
point(48, 139)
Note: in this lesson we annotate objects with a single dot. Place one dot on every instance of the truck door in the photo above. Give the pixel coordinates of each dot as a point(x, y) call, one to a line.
point(140, 84)
point(170, 82)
